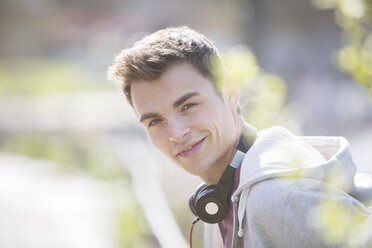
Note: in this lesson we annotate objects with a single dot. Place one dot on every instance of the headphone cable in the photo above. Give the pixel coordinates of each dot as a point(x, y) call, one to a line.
point(192, 227)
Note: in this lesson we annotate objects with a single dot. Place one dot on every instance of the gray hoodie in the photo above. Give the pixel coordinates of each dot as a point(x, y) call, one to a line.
point(301, 192)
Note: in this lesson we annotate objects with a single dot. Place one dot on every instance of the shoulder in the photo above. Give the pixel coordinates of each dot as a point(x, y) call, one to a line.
point(293, 211)
point(264, 211)
point(279, 191)
point(268, 197)
point(274, 189)
point(275, 200)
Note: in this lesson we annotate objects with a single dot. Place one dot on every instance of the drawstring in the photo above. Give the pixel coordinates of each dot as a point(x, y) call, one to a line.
point(242, 208)
point(191, 229)
point(235, 200)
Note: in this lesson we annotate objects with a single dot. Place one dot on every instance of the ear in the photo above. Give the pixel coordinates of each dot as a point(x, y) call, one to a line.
point(231, 92)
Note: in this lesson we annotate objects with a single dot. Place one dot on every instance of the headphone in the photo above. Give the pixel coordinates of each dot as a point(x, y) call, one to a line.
point(210, 202)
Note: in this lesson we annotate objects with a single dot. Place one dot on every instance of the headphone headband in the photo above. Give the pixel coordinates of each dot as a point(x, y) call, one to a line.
point(210, 203)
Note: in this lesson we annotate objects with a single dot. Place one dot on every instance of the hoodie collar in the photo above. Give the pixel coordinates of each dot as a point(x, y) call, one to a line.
point(247, 138)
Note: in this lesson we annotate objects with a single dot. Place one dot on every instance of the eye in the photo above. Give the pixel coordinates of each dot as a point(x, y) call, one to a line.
point(187, 106)
point(154, 122)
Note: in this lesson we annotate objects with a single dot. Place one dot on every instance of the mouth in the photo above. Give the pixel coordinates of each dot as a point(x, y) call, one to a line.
point(191, 149)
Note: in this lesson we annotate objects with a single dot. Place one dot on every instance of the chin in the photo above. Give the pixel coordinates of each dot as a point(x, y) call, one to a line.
point(196, 173)
point(195, 166)
point(200, 170)
point(192, 168)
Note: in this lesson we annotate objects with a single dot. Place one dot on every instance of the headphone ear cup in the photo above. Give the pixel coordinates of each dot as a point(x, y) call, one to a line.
point(194, 196)
point(210, 204)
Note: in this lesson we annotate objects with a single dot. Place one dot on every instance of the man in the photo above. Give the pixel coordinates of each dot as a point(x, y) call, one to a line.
point(288, 191)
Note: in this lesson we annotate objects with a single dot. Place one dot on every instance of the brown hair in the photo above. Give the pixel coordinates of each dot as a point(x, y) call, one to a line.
point(153, 55)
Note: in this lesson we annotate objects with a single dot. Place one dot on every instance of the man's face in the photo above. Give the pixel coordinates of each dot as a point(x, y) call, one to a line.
point(186, 118)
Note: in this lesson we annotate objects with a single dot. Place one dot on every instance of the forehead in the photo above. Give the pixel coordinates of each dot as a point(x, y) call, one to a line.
point(178, 80)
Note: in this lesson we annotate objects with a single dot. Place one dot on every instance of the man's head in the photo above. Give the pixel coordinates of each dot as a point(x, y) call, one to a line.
point(150, 57)
point(171, 79)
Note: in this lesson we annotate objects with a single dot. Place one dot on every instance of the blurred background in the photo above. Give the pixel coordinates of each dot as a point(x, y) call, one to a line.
point(72, 166)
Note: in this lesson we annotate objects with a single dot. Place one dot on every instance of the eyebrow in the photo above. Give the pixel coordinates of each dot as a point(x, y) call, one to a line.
point(176, 104)
point(149, 116)
point(184, 98)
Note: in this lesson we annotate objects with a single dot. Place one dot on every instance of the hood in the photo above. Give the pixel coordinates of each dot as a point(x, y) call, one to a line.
point(278, 152)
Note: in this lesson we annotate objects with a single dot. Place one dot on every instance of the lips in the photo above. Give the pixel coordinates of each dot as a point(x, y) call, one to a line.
point(191, 149)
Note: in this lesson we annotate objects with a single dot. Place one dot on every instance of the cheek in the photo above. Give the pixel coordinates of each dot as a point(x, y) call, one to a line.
point(213, 116)
point(158, 140)
point(220, 121)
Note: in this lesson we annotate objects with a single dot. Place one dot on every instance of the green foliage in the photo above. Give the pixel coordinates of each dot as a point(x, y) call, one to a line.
point(70, 152)
point(263, 95)
point(40, 75)
point(131, 227)
point(355, 19)
point(75, 153)
point(336, 221)
point(81, 152)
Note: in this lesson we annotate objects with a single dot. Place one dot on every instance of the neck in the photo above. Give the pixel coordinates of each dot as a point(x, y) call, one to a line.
point(216, 171)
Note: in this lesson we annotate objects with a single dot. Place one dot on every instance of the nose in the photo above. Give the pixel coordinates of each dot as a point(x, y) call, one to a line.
point(178, 130)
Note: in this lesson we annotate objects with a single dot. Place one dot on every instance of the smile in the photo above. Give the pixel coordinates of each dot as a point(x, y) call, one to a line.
point(191, 150)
